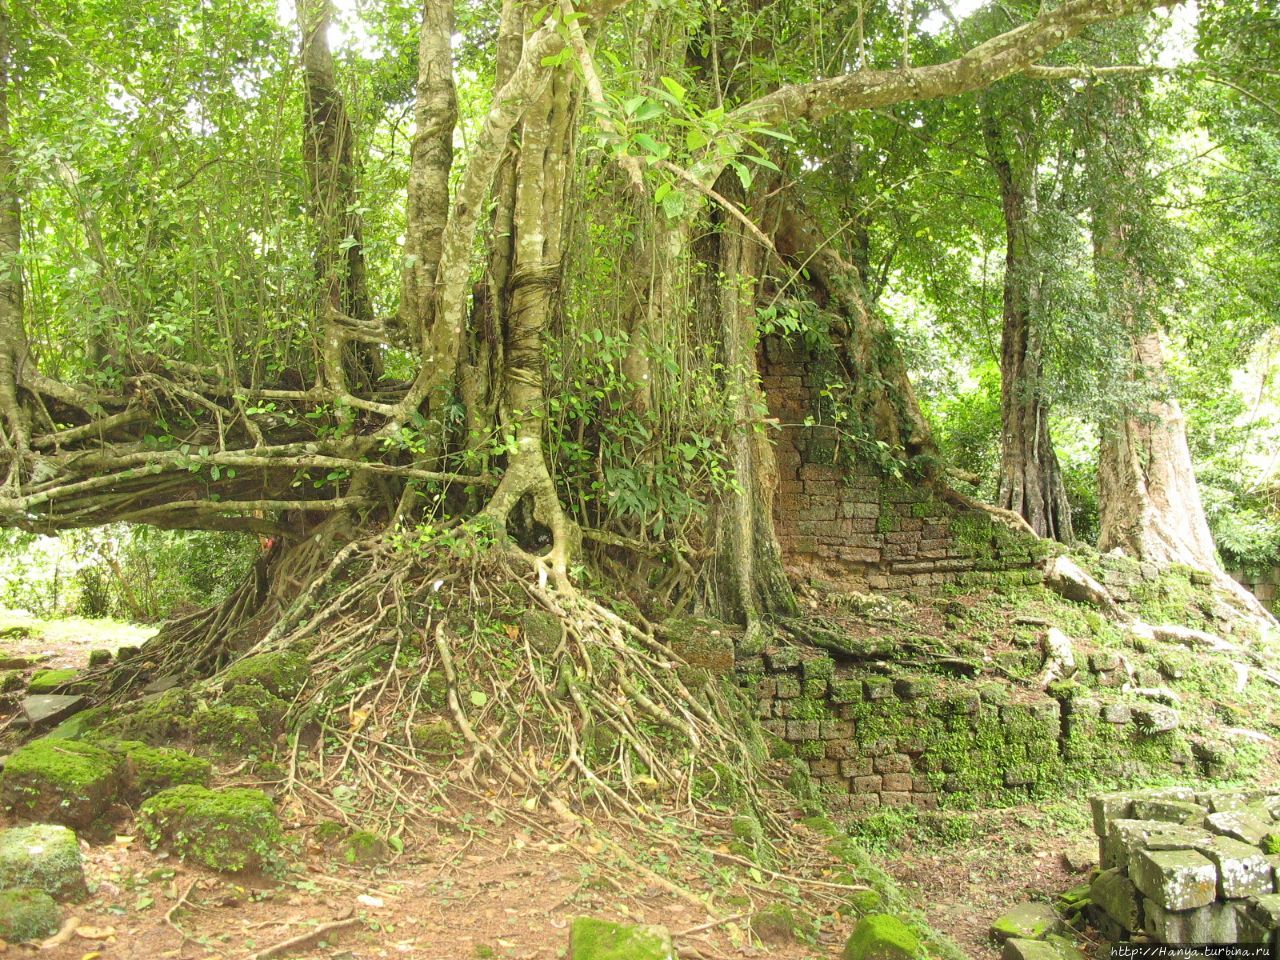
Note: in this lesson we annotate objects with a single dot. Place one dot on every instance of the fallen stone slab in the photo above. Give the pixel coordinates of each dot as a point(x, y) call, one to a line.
point(1027, 921)
point(27, 915)
point(1106, 807)
point(881, 936)
point(50, 709)
point(1055, 948)
point(1126, 837)
point(1114, 894)
point(1239, 825)
point(1175, 879)
point(60, 781)
point(592, 939)
point(43, 856)
point(1243, 870)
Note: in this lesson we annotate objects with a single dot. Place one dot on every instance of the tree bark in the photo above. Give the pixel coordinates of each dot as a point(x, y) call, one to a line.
point(431, 158)
point(1149, 501)
point(328, 147)
point(1030, 477)
point(1150, 505)
point(14, 429)
point(750, 581)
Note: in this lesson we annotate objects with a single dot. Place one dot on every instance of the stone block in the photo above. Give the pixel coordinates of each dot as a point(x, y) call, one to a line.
point(1170, 811)
point(782, 658)
point(1243, 870)
point(1156, 718)
point(893, 763)
point(1239, 825)
point(841, 749)
point(1211, 923)
point(877, 688)
point(866, 784)
point(802, 729)
point(1107, 807)
point(786, 687)
point(836, 729)
point(1115, 895)
point(860, 803)
point(1054, 949)
point(1176, 880)
point(1027, 921)
point(902, 782)
point(895, 798)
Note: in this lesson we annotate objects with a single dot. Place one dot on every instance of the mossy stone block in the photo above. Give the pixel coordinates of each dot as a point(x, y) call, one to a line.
point(99, 658)
point(43, 856)
point(776, 923)
point(1027, 921)
point(436, 738)
point(60, 781)
point(592, 939)
point(271, 710)
point(365, 849)
point(882, 936)
point(48, 681)
point(1115, 895)
point(27, 914)
point(229, 830)
point(148, 769)
point(230, 729)
point(158, 721)
point(284, 673)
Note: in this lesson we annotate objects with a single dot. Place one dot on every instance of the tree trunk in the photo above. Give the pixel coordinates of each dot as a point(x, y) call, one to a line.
point(1149, 501)
point(328, 145)
point(750, 581)
point(1030, 477)
point(14, 431)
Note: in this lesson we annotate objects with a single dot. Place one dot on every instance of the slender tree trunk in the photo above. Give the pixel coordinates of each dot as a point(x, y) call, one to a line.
point(751, 583)
point(328, 142)
point(543, 171)
point(14, 430)
point(1030, 477)
point(430, 160)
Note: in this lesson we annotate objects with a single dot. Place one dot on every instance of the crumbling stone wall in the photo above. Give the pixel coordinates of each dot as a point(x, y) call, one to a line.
point(1186, 866)
point(1265, 585)
point(870, 738)
point(839, 517)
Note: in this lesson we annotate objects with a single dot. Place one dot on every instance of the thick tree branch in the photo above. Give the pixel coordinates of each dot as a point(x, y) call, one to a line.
point(1011, 52)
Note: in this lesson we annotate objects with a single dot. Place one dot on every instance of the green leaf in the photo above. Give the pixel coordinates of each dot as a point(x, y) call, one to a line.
point(695, 139)
point(479, 698)
point(674, 88)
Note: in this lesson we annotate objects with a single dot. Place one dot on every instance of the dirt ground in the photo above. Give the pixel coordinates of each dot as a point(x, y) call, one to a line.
point(503, 889)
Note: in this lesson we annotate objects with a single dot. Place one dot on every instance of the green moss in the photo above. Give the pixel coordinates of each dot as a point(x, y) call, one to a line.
point(229, 830)
point(148, 769)
point(11, 680)
point(283, 674)
point(365, 849)
point(776, 923)
point(99, 658)
point(43, 857)
point(27, 915)
point(230, 729)
point(271, 710)
point(49, 681)
point(591, 939)
point(436, 738)
point(719, 783)
point(60, 781)
point(882, 936)
point(328, 831)
point(158, 721)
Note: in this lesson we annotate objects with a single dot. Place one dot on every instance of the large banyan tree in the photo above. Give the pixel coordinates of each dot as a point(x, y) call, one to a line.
point(483, 288)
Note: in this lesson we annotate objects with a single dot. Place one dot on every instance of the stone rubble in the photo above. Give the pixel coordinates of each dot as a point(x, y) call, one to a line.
point(1186, 866)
